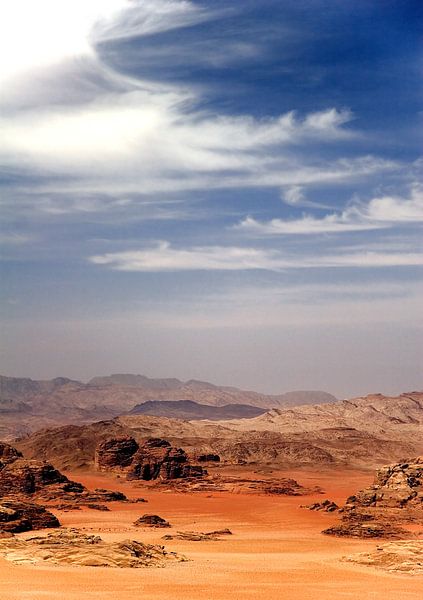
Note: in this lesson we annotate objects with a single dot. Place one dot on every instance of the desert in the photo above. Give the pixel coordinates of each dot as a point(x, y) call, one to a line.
point(276, 549)
point(307, 501)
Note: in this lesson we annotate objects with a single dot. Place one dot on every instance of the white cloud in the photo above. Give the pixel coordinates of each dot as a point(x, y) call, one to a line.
point(378, 213)
point(306, 225)
point(163, 258)
point(39, 34)
point(394, 209)
point(69, 115)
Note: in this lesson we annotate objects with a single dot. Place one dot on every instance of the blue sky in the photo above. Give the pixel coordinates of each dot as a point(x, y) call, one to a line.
point(218, 190)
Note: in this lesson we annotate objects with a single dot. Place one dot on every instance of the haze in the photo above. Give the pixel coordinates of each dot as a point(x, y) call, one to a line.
point(214, 190)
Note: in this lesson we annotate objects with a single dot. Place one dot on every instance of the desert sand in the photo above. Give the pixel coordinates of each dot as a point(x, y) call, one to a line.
point(276, 550)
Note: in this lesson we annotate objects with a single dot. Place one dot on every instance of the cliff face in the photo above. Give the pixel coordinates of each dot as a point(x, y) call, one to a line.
point(154, 459)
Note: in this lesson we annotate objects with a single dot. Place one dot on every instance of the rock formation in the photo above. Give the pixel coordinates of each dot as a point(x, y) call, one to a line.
point(155, 459)
point(394, 557)
point(18, 516)
point(151, 521)
point(198, 536)
point(395, 486)
point(366, 526)
point(325, 506)
point(394, 498)
point(71, 547)
point(25, 479)
point(208, 458)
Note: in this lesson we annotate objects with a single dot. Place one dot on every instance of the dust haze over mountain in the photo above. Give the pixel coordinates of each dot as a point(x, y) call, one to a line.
point(27, 405)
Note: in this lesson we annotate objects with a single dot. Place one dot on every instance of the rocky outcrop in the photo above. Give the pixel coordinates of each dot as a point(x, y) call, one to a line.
point(71, 547)
point(208, 458)
point(151, 521)
point(16, 517)
point(8, 453)
point(394, 498)
point(198, 536)
point(21, 476)
point(155, 459)
point(38, 480)
point(116, 453)
point(395, 486)
point(325, 506)
point(366, 526)
point(394, 557)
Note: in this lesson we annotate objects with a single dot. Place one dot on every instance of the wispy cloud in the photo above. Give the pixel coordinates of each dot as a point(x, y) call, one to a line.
point(380, 212)
point(295, 195)
point(68, 114)
point(163, 258)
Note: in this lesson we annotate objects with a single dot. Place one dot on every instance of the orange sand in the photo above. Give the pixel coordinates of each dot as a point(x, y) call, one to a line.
point(277, 551)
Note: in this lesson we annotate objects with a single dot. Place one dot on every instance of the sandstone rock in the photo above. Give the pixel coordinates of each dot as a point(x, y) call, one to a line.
point(152, 521)
point(370, 529)
point(154, 459)
point(95, 506)
point(18, 516)
point(285, 487)
point(325, 506)
point(22, 478)
point(198, 536)
point(395, 486)
point(74, 548)
point(8, 452)
point(115, 453)
point(209, 458)
point(395, 557)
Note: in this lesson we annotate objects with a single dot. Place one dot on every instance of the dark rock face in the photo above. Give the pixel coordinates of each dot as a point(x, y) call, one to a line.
point(116, 452)
point(21, 476)
point(325, 506)
point(209, 458)
point(152, 521)
point(155, 459)
point(395, 486)
point(24, 516)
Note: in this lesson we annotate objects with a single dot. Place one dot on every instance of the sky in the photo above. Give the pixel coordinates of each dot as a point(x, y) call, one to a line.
point(226, 191)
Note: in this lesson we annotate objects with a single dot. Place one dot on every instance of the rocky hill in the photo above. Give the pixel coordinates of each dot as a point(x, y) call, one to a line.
point(73, 447)
point(191, 411)
point(374, 413)
point(27, 405)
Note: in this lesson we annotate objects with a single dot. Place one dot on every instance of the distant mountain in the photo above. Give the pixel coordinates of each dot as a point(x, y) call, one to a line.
point(141, 381)
point(386, 429)
point(27, 405)
point(374, 413)
point(190, 411)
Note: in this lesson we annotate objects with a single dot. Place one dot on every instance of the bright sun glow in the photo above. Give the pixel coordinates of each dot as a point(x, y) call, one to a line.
point(38, 34)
